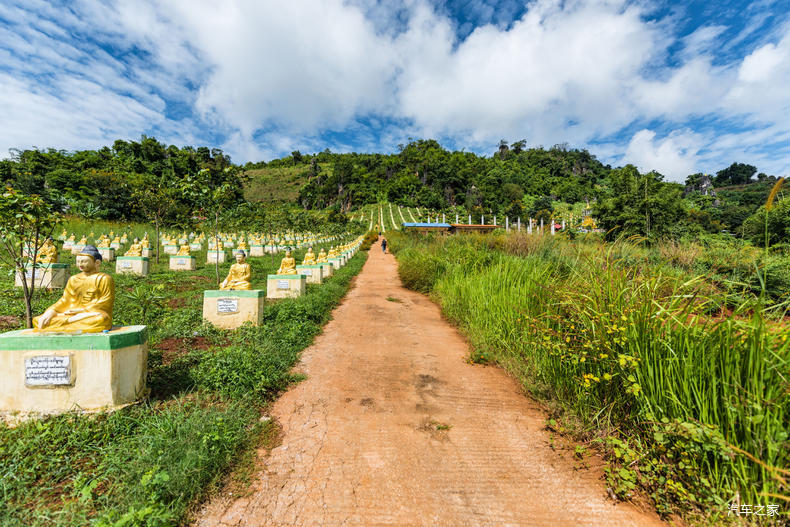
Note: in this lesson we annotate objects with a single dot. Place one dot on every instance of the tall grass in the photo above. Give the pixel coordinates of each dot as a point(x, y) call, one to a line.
point(694, 405)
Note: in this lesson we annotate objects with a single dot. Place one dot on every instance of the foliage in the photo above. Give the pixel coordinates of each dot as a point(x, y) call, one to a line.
point(639, 204)
point(26, 222)
point(150, 463)
point(689, 405)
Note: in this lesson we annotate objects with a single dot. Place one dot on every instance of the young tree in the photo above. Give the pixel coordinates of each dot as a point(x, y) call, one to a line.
point(156, 202)
point(26, 222)
point(639, 204)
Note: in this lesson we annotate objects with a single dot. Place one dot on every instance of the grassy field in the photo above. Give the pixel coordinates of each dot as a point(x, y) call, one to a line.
point(673, 360)
point(279, 184)
point(151, 463)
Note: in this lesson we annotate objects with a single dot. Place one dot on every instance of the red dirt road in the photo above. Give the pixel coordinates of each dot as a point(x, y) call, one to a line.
point(394, 427)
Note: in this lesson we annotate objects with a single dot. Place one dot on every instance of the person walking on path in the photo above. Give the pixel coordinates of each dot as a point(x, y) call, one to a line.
point(384, 245)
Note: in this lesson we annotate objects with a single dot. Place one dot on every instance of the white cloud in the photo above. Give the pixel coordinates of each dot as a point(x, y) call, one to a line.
point(675, 156)
point(267, 78)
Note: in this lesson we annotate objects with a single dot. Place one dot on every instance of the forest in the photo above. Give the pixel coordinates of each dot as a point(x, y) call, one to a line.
point(134, 180)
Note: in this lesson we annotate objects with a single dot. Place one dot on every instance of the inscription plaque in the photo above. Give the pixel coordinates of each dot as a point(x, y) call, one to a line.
point(227, 305)
point(48, 370)
point(283, 284)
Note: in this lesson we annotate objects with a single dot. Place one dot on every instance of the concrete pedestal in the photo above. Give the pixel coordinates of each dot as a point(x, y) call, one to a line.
point(270, 249)
point(256, 250)
point(327, 269)
point(138, 265)
point(215, 256)
point(148, 253)
point(170, 249)
point(183, 263)
point(231, 309)
point(195, 247)
point(59, 372)
point(48, 276)
point(67, 245)
point(107, 254)
point(337, 263)
point(285, 285)
point(116, 246)
point(76, 249)
point(313, 273)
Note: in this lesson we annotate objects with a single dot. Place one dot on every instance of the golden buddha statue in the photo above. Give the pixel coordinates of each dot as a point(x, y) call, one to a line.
point(48, 253)
point(309, 257)
point(87, 302)
point(117, 240)
point(288, 264)
point(83, 242)
point(332, 253)
point(239, 274)
point(136, 249)
point(183, 250)
point(71, 238)
point(242, 245)
point(104, 242)
point(321, 257)
point(64, 235)
point(145, 243)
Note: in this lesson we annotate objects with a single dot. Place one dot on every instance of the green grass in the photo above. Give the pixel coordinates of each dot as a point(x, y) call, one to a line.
point(279, 184)
point(689, 405)
point(151, 463)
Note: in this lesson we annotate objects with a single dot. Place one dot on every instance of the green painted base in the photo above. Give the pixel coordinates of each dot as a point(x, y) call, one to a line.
point(248, 293)
point(284, 277)
point(116, 338)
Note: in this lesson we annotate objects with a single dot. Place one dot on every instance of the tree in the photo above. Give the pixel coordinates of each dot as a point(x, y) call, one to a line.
point(156, 202)
point(735, 174)
point(26, 222)
point(519, 146)
point(640, 204)
point(212, 195)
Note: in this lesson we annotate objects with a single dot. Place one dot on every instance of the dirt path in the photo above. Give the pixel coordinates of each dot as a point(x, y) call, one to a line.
point(392, 426)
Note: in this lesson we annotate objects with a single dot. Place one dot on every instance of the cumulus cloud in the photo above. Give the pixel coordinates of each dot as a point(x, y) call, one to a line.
point(674, 156)
point(264, 78)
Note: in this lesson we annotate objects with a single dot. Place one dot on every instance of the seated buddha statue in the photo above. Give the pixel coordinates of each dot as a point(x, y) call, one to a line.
point(104, 242)
point(145, 242)
point(288, 264)
point(309, 257)
point(48, 253)
point(83, 242)
point(87, 301)
point(71, 238)
point(239, 274)
point(64, 235)
point(332, 253)
point(183, 250)
point(117, 240)
point(136, 249)
point(242, 246)
point(321, 257)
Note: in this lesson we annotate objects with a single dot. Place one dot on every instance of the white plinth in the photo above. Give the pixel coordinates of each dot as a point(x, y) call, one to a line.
point(285, 285)
point(59, 372)
point(183, 263)
point(231, 309)
point(137, 265)
point(48, 276)
point(215, 256)
point(313, 273)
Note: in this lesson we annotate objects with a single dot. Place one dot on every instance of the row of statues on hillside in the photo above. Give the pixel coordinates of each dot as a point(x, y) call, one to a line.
point(88, 299)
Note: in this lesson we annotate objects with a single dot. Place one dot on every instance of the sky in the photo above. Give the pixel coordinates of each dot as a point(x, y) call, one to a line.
point(677, 87)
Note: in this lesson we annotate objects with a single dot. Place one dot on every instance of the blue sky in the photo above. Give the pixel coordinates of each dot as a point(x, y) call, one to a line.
point(676, 87)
